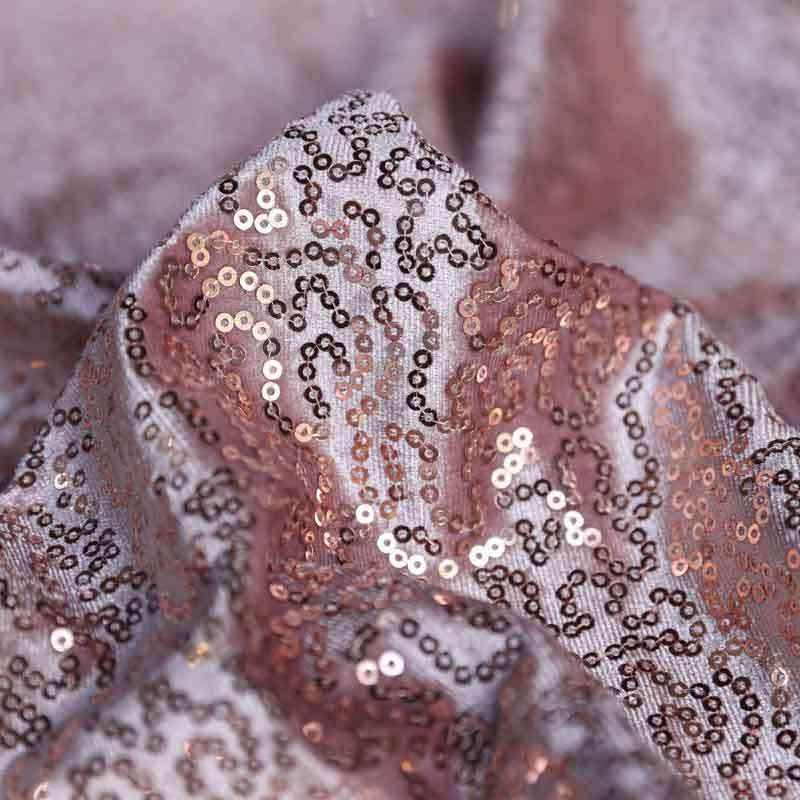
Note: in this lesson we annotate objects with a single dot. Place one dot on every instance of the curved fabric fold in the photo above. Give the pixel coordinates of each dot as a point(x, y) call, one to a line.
point(359, 491)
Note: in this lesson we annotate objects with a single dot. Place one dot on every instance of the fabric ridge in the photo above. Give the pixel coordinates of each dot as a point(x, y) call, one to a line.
point(357, 490)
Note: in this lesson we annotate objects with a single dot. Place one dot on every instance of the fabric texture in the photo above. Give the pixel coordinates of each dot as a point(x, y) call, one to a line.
point(358, 490)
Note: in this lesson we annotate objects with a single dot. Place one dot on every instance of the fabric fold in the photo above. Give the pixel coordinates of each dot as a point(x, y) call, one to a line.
point(360, 491)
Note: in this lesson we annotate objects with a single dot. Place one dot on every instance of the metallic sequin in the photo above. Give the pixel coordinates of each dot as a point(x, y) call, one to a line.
point(448, 568)
point(227, 276)
point(62, 640)
point(573, 519)
point(223, 322)
point(263, 224)
point(261, 331)
point(367, 673)
point(501, 478)
point(243, 219)
point(243, 320)
point(265, 294)
point(365, 514)
point(522, 437)
point(278, 218)
point(391, 664)
point(248, 280)
point(266, 199)
point(398, 558)
point(556, 500)
point(272, 369)
point(270, 391)
point(417, 565)
point(592, 537)
point(478, 556)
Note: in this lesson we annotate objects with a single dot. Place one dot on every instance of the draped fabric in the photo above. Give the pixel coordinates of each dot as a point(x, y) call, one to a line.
point(659, 135)
point(359, 490)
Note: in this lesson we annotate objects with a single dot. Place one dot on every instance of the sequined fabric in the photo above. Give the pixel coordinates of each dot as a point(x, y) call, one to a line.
point(357, 490)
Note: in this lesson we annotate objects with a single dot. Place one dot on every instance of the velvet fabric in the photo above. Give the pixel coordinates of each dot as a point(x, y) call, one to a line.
point(357, 488)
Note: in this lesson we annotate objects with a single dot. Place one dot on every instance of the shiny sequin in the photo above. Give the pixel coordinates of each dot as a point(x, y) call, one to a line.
point(248, 280)
point(262, 224)
point(261, 331)
point(224, 322)
point(272, 369)
point(391, 664)
point(367, 672)
point(266, 199)
point(365, 514)
point(62, 640)
point(270, 391)
point(265, 294)
point(227, 276)
point(243, 219)
point(417, 565)
point(556, 500)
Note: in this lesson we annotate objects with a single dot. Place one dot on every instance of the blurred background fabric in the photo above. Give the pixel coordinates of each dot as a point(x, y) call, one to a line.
point(658, 135)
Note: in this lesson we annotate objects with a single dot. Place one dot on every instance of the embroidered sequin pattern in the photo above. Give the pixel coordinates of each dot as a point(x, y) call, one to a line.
point(359, 491)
